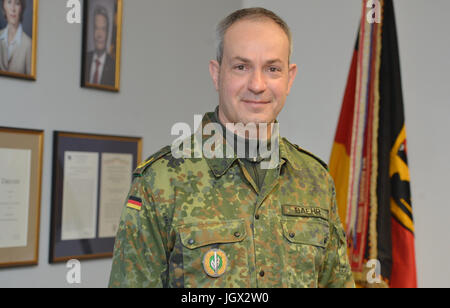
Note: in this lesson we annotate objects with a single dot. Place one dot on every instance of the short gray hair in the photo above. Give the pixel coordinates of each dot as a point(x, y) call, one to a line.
point(248, 13)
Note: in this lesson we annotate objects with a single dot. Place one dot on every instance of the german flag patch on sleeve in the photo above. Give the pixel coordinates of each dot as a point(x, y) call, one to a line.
point(134, 203)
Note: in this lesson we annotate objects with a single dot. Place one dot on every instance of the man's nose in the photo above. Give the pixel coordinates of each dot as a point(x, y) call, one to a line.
point(257, 82)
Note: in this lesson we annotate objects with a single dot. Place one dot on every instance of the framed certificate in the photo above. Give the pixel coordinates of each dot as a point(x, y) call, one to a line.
point(102, 32)
point(18, 38)
point(20, 195)
point(92, 175)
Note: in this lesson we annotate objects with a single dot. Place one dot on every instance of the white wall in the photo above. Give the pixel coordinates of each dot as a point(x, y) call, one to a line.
point(166, 48)
point(423, 30)
point(324, 36)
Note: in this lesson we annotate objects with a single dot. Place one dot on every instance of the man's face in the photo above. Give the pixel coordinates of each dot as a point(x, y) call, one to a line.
point(100, 32)
point(12, 9)
point(255, 76)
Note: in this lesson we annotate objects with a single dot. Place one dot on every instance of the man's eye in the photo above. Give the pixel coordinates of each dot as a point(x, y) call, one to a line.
point(274, 69)
point(240, 67)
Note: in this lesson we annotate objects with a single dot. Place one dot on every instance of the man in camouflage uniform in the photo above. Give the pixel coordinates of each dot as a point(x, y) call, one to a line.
point(228, 222)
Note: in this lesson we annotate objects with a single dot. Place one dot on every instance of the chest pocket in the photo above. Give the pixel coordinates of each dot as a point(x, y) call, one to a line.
point(198, 240)
point(306, 235)
point(208, 233)
point(306, 225)
point(306, 231)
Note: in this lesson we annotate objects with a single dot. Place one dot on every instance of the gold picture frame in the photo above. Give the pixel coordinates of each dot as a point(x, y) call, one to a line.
point(104, 17)
point(19, 214)
point(21, 63)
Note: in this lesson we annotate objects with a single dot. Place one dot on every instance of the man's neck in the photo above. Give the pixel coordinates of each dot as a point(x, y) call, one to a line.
point(252, 146)
point(259, 127)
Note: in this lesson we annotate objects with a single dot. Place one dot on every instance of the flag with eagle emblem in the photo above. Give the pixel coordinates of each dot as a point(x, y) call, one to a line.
point(369, 158)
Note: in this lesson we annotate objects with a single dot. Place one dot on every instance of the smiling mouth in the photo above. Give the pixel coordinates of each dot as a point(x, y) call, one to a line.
point(256, 102)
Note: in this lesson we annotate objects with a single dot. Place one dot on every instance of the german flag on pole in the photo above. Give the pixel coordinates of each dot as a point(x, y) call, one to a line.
point(368, 160)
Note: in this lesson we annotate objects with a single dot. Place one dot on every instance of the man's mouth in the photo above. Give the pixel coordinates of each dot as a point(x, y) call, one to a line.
point(255, 102)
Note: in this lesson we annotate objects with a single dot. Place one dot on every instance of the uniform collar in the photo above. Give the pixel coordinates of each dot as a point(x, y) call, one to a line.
point(288, 154)
point(219, 166)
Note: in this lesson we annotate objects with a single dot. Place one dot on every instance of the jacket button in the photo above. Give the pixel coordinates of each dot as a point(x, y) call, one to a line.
point(191, 241)
point(261, 273)
point(292, 235)
point(237, 234)
point(257, 217)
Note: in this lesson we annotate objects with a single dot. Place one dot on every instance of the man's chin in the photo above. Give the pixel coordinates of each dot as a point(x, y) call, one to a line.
point(257, 120)
point(100, 48)
point(258, 116)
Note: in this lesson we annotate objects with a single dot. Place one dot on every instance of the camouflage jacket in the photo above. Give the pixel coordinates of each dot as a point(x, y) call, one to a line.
point(201, 222)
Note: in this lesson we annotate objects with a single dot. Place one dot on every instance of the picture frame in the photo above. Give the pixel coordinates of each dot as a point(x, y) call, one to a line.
point(92, 175)
point(101, 44)
point(19, 61)
point(21, 157)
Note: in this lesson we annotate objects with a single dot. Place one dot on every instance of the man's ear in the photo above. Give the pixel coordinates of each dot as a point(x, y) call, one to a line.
point(292, 73)
point(214, 71)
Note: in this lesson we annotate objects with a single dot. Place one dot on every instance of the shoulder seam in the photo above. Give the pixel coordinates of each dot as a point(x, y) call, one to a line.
point(309, 154)
point(150, 160)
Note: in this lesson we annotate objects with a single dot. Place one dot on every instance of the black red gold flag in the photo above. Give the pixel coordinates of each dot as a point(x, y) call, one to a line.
point(369, 158)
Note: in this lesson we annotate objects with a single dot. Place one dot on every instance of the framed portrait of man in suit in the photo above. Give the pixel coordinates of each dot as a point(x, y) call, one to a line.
point(102, 27)
point(18, 38)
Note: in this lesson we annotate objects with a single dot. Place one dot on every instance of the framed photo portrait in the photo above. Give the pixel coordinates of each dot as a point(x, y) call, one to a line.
point(18, 38)
point(102, 31)
point(92, 175)
point(20, 195)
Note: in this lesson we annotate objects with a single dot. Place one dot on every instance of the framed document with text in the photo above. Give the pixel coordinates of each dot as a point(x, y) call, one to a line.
point(91, 178)
point(20, 195)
